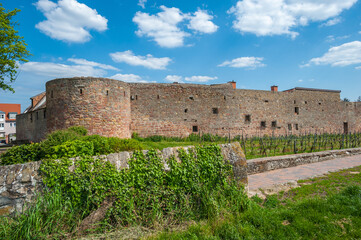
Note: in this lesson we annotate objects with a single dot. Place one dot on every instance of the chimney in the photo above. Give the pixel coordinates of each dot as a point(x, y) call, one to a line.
point(274, 88)
point(233, 84)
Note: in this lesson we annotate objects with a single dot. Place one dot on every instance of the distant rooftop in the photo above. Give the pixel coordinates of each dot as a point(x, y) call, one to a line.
point(312, 89)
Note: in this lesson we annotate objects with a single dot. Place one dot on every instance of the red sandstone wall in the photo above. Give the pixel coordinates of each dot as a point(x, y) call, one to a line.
point(101, 105)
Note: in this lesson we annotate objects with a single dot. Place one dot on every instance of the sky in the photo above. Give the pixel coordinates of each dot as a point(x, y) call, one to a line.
point(257, 43)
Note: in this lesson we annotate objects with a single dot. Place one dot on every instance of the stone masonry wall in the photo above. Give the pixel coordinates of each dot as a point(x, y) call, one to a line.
point(19, 183)
point(31, 126)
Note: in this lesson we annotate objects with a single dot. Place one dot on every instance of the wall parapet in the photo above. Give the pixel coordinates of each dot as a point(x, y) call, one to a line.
point(19, 183)
point(260, 165)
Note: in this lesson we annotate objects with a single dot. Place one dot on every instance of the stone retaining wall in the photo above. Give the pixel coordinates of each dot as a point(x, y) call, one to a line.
point(272, 163)
point(19, 183)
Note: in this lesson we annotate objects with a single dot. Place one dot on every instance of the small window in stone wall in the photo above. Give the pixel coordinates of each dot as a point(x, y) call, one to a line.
point(81, 91)
point(158, 97)
point(107, 93)
point(294, 101)
point(266, 101)
point(134, 97)
point(274, 124)
point(191, 98)
point(263, 124)
point(297, 110)
point(296, 126)
point(225, 98)
point(31, 117)
point(51, 94)
point(215, 110)
point(195, 129)
point(247, 118)
point(305, 102)
point(289, 126)
point(186, 110)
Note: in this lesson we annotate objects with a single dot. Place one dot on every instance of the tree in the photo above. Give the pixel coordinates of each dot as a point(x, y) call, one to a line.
point(12, 49)
point(358, 99)
point(346, 100)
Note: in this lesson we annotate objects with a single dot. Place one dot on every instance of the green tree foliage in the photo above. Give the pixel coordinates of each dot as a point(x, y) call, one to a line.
point(12, 49)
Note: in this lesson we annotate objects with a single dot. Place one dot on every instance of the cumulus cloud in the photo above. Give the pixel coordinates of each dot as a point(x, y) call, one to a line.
point(332, 22)
point(69, 20)
point(277, 17)
point(244, 62)
point(201, 22)
point(82, 61)
point(142, 3)
point(129, 78)
point(82, 67)
point(147, 61)
point(199, 79)
point(174, 78)
point(164, 28)
point(343, 55)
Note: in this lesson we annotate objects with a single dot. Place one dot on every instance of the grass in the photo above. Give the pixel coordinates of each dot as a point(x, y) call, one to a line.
point(323, 208)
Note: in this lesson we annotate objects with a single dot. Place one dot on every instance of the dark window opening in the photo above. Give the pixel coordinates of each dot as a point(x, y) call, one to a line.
point(294, 101)
point(247, 118)
point(132, 97)
point(51, 94)
point(225, 98)
point(186, 110)
point(157, 96)
point(124, 93)
point(274, 124)
point(81, 91)
point(289, 126)
point(305, 102)
point(215, 110)
point(107, 92)
point(345, 127)
point(263, 124)
point(31, 117)
point(297, 110)
point(191, 98)
point(266, 101)
point(195, 128)
point(44, 114)
point(136, 97)
point(296, 126)
point(319, 103)
point(37, 115)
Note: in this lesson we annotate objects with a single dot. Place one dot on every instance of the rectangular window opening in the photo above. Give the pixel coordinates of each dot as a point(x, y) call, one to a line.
point(296, 126)
point(195, 128)
point(263, 124)
point(297, 110)
point(215, 110)
point(274, 124)
point(247, 118)
point(289, 126)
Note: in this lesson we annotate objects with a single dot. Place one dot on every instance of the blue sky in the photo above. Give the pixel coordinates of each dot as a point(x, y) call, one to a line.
point(257, 43)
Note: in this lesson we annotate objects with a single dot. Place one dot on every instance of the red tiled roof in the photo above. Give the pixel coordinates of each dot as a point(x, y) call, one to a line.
point(9, 107)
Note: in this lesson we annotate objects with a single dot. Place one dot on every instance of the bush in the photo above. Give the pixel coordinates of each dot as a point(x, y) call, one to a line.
point(71, 149)
point(80, 130)
point(21, 154)
point(144, 194)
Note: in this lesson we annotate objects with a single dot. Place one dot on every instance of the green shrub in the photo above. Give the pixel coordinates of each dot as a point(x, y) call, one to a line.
point(23, 153)
point(80, 130)
point(71, 149)
point(119, 145)
point(59, 137)
point(145, 194)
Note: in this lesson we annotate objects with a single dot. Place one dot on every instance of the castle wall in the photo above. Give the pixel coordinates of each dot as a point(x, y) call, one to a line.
point(100, 105)
point(31, 126)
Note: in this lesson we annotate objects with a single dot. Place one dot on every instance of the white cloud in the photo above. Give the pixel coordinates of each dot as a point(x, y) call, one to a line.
point(359, 67)
point(128, 78)
point(57, 70)
point(164, 28)
point(141, 3)
point(147, 61)
point(343, 55)
point(244, 62)
point(174, 78)
point(81, 61)
point(277, 17)
point(199, 79)
point(200, 21)
point(69, 20)
point(82, 67)
point(332, 38)
point(332, 22)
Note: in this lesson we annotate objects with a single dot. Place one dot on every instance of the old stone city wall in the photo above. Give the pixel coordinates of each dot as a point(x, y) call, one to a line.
point(113, 108)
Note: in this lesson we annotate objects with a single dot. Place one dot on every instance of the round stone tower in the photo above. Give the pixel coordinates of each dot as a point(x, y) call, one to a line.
point(101, 105)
